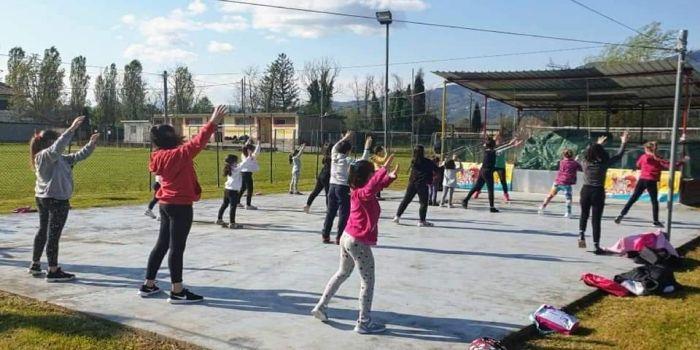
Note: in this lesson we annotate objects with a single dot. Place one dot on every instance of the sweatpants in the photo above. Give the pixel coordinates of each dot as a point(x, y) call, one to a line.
point(154, 201)
point(353, 253)
point(568, 195)
point(246, 185)
point(446, 190)
point(53, 214)
point(502, 177)
point(592, 200)
point(338, 204)
point(651, 186)
point(230, 198)
point(421, 190)
point(321, 184)
point(294, 184)
point(485, 177)
point(175, 224)
point(432, 193)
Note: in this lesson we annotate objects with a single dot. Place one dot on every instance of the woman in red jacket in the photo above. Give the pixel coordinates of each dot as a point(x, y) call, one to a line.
point(651, 165)
point(179, 188)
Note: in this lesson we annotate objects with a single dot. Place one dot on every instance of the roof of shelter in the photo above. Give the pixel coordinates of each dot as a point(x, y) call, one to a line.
point(5, 89)
point(595, 86)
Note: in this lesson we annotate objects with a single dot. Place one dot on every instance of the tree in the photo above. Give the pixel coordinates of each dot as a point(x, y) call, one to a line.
point(476, 118)
point(106, 96)
point(46, 85)
point(278, 85)
point(314, 91)
point(419, 93)
point(182, 98)
point(319, 76)
point(376, 112)
point(78, 84)
point(133, 91)
point(253, 100)
point(640, 47)
point(18, 71)
point(203, 105)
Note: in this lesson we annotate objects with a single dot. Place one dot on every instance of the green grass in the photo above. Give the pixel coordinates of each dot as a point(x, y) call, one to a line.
point(116, 176)
point(640, 323)
point(29, 324)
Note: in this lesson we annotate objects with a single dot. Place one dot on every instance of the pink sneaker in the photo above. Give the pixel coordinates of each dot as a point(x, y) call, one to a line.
point(476, 194)
point(506, 197)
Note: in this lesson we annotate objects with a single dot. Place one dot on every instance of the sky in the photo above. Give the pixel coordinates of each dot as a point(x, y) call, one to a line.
point(213, 37)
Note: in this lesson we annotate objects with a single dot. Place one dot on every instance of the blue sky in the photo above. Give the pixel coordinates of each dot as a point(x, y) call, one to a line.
point(212, 37)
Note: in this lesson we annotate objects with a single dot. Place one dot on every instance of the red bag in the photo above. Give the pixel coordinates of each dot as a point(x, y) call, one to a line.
point(605, 284)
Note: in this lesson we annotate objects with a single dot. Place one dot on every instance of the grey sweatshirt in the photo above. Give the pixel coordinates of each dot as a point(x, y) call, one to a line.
point(594, 173)
point(54, 170)
point(340, 165)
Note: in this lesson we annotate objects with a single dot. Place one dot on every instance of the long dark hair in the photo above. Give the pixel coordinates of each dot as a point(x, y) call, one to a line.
point(327, 154)
point(164, 136)
point(40, 141)
point(345, 147)
point(247, 149)
point(292, 155)
point(490, 143)
point(360, 173)
point(418, 154)
point(596, 153)
point(230, 160)
point(378, 149)
point(450, 164)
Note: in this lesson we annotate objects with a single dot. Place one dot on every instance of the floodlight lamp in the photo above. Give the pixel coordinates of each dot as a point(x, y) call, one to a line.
point(384, 17)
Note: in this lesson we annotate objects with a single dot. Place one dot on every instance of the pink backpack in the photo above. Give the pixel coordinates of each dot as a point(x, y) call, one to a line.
point(549, 319)
point(605, 284)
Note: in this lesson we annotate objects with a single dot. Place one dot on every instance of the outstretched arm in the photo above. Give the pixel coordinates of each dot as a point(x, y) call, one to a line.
point(621, 150)
point(192, 147)
point(84, 152)
point(56, 149)
point(368, 146)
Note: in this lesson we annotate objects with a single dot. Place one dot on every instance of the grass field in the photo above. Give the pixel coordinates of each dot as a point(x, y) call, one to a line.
point(116, 176)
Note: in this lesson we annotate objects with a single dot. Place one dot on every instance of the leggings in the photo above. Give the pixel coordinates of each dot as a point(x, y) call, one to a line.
point(230, 197)
point(502, 177)
point(485, 177)
point(338, 203)
point(432, 193)
point(421, 190)
point(321, 184)
point(175, 224)
point(247, 185)
point(445, 191)
point(294, 184)
point(592, 199)
point(651, 187)
point(568, 195)
point(52, 217)
point(353, 253)
point(154, 201)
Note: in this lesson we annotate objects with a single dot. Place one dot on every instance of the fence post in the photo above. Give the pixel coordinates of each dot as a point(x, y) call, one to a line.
point(271, 150)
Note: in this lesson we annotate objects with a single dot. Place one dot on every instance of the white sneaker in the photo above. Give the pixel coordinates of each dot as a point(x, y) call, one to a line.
point(369, 327)
point(540, 211)
point(395, 220)
point(319, 314)
point(567, 216)
point(425, 224)
point(251, 207)
point(451, 206)
point(149, 213)
point(306, 209)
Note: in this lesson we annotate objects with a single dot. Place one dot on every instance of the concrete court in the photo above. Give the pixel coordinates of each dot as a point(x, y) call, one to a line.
point(474, 274)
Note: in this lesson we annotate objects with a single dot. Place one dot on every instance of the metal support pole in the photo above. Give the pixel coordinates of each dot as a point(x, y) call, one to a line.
point(578, 118)
point(217, 136)
point(681, 47)
point(607, 121)
point(444, 118)
point(486, 114)
point(386, 91)
point(165, 97)
point(274, 137)
point(413, 97)
point(641, 126)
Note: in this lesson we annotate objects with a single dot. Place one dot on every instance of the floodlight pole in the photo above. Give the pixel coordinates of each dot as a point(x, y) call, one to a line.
point(444, 119)
point(681, 48)
point(386, 90)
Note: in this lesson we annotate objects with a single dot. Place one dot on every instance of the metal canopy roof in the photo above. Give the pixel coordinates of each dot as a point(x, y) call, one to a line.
point(596, 86)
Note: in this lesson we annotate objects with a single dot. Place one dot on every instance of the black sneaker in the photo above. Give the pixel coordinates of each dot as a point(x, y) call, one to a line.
point(146, 291)
point(618, 219)
point(494, 210)
point(35, 270)
point(599, 251)
point(658, 224)
point(59, 276)
point(465, 204)
point(184, 297)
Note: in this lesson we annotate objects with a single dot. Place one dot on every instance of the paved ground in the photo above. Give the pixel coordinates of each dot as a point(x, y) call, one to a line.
point(474, 274)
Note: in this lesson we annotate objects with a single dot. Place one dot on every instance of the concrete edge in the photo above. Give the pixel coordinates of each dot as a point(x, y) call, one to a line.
point(516, 339)
point(129, 328)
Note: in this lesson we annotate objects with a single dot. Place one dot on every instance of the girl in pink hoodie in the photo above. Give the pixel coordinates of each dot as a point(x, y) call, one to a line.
point(566, 177)
point(360, 235)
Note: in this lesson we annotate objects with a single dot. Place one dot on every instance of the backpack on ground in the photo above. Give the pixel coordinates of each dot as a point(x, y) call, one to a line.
point(548, 319)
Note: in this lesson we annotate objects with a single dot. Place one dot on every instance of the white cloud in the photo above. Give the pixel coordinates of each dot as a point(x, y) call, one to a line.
point(128, 19)
point(159, 54)
point(219, 47)
point(227, 24)
point(197, 7)
point(313, 25)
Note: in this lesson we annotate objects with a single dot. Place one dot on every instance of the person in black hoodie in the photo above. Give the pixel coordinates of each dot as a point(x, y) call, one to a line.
point(421, 173)
point(488, 166)
point(322, 180)
point(595, 166)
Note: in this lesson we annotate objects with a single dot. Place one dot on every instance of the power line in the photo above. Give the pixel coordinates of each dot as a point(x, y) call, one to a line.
point(87, 65)
point(606, 16)
point(449, 26)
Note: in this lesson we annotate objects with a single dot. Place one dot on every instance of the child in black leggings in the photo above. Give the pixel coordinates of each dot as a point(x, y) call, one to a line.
point(249, 165)
point(322, 180)
point(595, 165)
point(232, 188)
point(488, 166)
point(422, 170)
point(154, 200)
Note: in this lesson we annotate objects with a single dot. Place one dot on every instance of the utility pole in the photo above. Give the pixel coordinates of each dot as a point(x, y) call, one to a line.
point(413, 97)
point(165, 96)
point(681, 48)
point(385, 18)
point(444, 118)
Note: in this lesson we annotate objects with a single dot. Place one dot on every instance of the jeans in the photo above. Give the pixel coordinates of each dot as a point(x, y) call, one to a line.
point(321, 184)
point(445, 192)
point(246, 185)
point(592, 199)
point(175, 224)
point(230, 197)
point(432, 193)
point(53, 214)
point(338, 204)
point(651, 186)
point(421, 190)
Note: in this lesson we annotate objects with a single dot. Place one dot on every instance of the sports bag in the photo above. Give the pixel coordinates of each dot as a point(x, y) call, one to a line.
point(548, 319)
point(605, 284)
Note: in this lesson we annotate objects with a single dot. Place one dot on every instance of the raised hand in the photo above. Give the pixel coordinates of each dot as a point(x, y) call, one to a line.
point(388, 161)
point(602, 139)
point(394, 171)
point(76, 123)
point(625, 136)
point(94, 137)
point(217, 116)
point(368, 142)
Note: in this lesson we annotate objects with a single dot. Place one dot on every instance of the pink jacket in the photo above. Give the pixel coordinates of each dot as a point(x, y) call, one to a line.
point(635, 243)
point(651, 167)
point(365, 210)
point(567, 172)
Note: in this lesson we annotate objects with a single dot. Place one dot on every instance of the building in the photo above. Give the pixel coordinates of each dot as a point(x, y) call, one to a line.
point(136, 131)
point(5, 93)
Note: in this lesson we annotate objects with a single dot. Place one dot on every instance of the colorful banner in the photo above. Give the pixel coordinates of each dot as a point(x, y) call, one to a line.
point(620, 184)
point(470, 173)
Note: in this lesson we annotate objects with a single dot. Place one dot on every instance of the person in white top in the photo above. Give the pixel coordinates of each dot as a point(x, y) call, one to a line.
point(154, 201)
point(232, 187)
point(249, 165)
point(295, 162)
point(339, 191)
point(449, 181)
